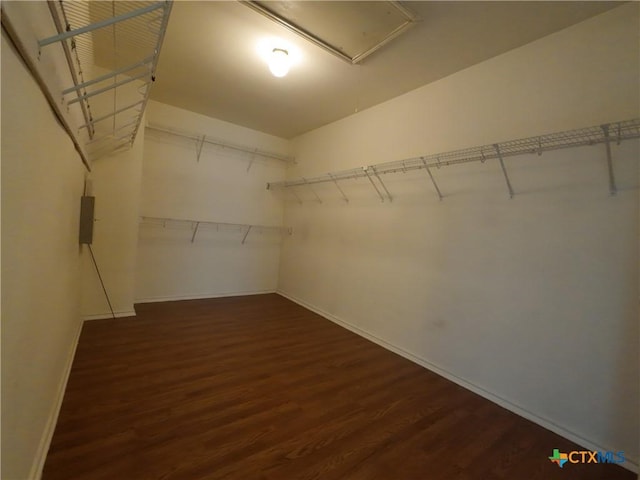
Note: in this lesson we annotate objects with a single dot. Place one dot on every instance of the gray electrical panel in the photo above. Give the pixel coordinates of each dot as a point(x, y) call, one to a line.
point(87, 205)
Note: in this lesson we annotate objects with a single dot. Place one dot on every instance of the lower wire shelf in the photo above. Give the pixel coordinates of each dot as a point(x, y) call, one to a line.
point(195, 225)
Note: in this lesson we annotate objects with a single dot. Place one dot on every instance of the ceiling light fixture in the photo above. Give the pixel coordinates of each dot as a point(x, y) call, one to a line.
point(279, 62)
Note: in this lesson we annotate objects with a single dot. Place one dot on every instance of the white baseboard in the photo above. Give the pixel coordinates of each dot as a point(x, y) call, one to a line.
point(629, 464)
point(173, 298)
point(47, 435)
point(102, 316)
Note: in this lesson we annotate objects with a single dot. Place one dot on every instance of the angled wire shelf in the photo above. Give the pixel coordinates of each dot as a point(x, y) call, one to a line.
point(196, 225)
point(112, 49)
point(601, 134)
point(198, 140)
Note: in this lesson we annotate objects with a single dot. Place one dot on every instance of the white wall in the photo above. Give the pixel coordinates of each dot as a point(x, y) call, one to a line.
point(42, 181)
point(25, 22)
point(217, 188)
point(531, 301)
point(115, 182)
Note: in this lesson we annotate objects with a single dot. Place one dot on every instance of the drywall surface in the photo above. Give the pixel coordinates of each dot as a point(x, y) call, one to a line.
point(115, 183)
point(42, 181)
point(224, 185)
point(531, 301)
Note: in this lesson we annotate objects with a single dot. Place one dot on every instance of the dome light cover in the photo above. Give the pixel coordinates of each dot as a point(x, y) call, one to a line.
point(279, 62)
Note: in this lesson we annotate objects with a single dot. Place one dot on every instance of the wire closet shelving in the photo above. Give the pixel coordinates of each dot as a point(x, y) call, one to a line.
point(112, 50)
point(195, 226)
point(200, 140)
point(601, 134)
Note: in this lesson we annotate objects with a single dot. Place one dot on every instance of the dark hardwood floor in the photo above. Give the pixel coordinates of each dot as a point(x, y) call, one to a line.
point(260, 388)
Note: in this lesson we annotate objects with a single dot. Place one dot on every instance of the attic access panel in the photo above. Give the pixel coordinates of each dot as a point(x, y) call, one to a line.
point(349, 30)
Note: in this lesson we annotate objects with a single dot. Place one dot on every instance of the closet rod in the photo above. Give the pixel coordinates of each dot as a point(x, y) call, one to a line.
point(219, 143)
point(617, 132)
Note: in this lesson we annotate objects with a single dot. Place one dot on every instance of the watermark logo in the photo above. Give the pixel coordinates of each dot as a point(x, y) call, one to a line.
point(559, 458)
point(585, 456)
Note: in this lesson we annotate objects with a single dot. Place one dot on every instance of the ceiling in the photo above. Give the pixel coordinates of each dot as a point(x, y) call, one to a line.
point(210, 61)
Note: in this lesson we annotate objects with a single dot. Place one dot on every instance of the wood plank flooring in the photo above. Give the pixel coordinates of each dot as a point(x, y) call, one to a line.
point(260, 388)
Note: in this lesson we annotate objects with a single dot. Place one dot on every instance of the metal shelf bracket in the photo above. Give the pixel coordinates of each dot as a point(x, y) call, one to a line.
point(253, 159)
point(318, 199)
point(199, 148)
point(298, 199)
point(195, 232)
point(344, 197)
point(607, 143)
point(246, 234)
point(375, 172)
point(504, 170)
point(426, 167)
point(366, 172)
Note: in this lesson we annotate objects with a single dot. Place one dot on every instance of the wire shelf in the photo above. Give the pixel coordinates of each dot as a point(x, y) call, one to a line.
point(198, 140)
point(195, 225)
point(602, 134)
point(112, 50)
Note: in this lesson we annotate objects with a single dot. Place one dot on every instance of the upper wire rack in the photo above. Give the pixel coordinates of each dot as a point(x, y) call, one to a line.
point(112, 48)
point(614, 132)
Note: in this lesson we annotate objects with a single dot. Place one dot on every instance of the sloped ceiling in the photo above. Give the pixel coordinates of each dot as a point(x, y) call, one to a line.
point(210, 62)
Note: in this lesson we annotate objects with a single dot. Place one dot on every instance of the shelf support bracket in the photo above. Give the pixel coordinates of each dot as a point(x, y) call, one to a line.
point(195, 231)
point(366, 172)
point(253, 158)
point(293, 192)
point(607, 143)
point(312, 190)
point(426, 167)
point(344, 197)
point(199, 148)
point(246, 234)
point(375, 172)
point(504, 170)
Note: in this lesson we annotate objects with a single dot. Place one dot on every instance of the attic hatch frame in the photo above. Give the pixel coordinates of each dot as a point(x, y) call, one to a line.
point(410, 20)
point(138, 27)
point(600, 134)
